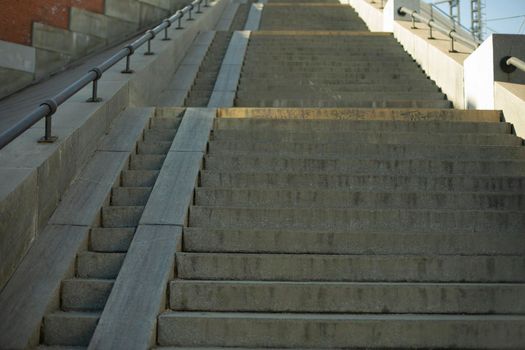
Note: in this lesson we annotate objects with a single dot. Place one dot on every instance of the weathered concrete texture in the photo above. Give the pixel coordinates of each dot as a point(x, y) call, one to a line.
point(13, 80)
point(129, 320)
point(35, 287)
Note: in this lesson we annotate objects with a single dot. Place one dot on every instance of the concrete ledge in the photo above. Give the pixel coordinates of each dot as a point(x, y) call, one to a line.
point(46, 170)
point(129, 318)
point(223, 94)
point(254, 17)
point(194, 131)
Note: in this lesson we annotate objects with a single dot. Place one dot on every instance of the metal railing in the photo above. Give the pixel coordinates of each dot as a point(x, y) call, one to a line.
point(509, 64)
point(433, 24)
point(50, 106)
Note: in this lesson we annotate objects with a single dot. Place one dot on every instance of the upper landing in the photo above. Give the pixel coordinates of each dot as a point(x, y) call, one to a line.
point(310, 15)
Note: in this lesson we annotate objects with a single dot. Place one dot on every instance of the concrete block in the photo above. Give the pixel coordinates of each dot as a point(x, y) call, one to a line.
point(63, 41)
point(35, 287)
point(194, 130)
point(17, 57)
point(140, 290)
point(482, 69)
point(127, 10)
point(109, 28)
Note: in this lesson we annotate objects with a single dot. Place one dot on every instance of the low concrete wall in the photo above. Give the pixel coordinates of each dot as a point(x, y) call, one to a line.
point(37, 175)
point(371, 14)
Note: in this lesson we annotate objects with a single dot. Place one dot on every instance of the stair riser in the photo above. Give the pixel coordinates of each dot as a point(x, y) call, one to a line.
point(121, 216)
point(85, 295)
point(68, 331)
point(349, 333)
point(359, 200)
point(325, 297)
point(291, 103)
point(352, 268)
point(364, 182)
point(143, 178)
point(153, 148)
point(314, 242)
point(146, 162)
point(350, 139)
point(99, 265)
point(329, 126)
point(376, 167)
point(111, 240)
point(130, 196)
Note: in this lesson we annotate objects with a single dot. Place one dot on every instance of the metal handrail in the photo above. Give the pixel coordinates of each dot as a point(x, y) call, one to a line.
point(509, 64)
point(432, 24)
point(50, 106)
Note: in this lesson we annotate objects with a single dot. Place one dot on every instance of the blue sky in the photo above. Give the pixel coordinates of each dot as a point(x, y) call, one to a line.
point(496, 9)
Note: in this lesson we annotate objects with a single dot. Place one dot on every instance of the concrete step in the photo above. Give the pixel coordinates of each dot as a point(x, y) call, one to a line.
point(99, 265)
point(329, 82)
point(254, 87)
point(331, 125)
point(289, 103)
point(130, 196)
point(368, 220)
point(351, 268)
point(81, 294)
point(139, 178)
point(406, 167)
point(364, 182)
point(377, 77)
point(367, 151)
point(158, 134)
point(69, 328)
point(200, 93)
point(165, 122)
point(126, 216)
point(318, 242)
point(251, 136)
point(347, 97)
point(337, 198)
point(365, 115)
point(340, 331)
point(347, 297)
point(146, 161)
point(115, 240)
point(161, 147)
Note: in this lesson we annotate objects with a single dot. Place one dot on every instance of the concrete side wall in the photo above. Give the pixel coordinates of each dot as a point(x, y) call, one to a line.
point(510, 98)
point(38, 174)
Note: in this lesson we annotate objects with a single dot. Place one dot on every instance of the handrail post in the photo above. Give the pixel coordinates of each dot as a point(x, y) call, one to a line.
point(413, 20)
point(128, 69)
point(166, 38)
point(149, 52)
point(430, 34)
point(199, 7)
point(206, 3)
point(189, 13)
point(48, 137)
point(382, 4)
point(452, 48)
point(179, 24)
point(94, 97)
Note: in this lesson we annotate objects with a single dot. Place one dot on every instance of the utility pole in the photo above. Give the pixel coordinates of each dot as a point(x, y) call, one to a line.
point(477, 8)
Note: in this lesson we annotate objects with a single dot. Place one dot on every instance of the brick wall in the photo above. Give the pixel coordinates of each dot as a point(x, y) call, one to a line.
point(17, 16)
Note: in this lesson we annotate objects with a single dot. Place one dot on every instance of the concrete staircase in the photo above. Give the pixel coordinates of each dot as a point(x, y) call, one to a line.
point(83, 297)
point(326, 69)
point(354, 229)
